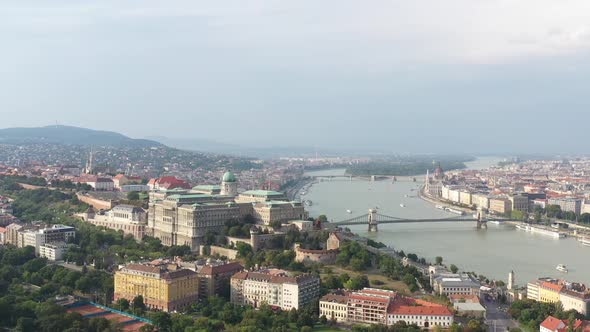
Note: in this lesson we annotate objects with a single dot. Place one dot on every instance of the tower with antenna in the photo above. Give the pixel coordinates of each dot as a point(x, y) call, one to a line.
point(89, 169)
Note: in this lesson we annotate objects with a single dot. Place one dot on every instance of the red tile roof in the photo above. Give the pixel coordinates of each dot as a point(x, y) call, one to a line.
point(551, 286)
point(552, 323)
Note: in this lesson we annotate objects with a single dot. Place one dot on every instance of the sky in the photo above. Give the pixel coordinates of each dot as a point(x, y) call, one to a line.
point(420, 76)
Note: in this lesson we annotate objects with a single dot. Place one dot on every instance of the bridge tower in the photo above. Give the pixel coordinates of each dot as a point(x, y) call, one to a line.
point(481, 219)
point(373, 220)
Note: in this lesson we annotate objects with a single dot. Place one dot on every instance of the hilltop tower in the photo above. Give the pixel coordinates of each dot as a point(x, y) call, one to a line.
point(229, 185)
point(89, 168)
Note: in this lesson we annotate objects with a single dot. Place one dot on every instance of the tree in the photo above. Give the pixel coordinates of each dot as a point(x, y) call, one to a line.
point(454, 268)
point(438, 260)
point(244, 249)
point(25, 324)
point(323, 218)
point(518, 215)
point(356, 283)
point(122, 304)
point(138, 303)
point(553, 211)
point(161, 320)
point(474, 325)
point(133, 196)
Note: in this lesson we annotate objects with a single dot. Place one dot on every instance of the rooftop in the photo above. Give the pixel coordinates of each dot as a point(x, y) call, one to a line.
point(262, 193)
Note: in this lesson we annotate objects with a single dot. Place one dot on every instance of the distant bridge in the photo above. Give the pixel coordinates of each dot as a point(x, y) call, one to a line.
point(373, 219)
point(349, 177)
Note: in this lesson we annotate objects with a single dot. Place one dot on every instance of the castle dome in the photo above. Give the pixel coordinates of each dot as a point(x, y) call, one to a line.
point(228, 177)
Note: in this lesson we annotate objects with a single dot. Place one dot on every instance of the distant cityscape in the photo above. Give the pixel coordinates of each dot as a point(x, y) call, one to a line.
point(239, 234)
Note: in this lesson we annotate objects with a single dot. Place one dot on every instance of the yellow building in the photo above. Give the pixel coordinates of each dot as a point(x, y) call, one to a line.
point(165, 287)
point(549, 292)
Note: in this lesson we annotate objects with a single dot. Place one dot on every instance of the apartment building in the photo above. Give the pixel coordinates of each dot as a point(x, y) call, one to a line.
point(274, 287)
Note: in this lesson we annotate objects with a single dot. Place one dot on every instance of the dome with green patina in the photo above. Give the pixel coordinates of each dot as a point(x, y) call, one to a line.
point(228, 177)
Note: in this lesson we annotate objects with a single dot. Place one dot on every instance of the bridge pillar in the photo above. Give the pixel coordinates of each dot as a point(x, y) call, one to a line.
point(481, 219)
point(373, 220)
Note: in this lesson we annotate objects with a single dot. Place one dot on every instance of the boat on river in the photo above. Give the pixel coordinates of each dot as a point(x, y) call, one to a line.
point(455, 211)
point(402, 205)
point(585, 241)
point(539, 230)
point(348, 211)
point(561, 268)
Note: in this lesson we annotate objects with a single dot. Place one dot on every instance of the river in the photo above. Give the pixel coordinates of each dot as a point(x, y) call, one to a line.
point(493, 252)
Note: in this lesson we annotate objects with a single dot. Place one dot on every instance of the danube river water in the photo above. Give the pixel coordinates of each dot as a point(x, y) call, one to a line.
point(493, 252)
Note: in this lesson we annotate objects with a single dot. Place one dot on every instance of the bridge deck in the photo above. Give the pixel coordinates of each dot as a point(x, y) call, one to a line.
point(404, 221)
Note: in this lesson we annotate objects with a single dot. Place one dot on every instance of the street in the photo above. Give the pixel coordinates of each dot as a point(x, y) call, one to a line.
point(497, 319)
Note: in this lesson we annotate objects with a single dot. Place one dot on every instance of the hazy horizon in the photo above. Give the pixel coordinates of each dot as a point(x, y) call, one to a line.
point(407, 77)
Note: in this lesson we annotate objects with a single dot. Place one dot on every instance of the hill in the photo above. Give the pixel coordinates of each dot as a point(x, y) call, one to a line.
point(70, 135)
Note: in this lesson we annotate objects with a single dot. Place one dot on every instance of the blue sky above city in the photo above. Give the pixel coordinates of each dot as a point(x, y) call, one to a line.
point(402, 76)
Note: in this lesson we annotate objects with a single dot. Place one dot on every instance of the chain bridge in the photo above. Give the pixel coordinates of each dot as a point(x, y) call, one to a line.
point(373, 219)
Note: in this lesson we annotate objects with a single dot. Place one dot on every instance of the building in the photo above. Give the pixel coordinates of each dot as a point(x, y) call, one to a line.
point(500, 205)
point(184, 219)
point(369, 306)
point(2, 235)
point(571, 295)
point(167, 183)
point(481, 200)
point(377, 306)
point(134, 187)
point(165, 287)
point(316, 256)
point(270, 212)
point(511, 280)
point(465, 197)
point(552, 324)
point(434, 185)
point(53, 251)
point(12, 234)
point(533, 290)
point(256, 196)
point(469, 307)
point(98, 183)
point(206, 189)
point(214, 279)
point(578, 300)
point(40, 236)
point(275, 288)
point(121, 180)
point(425, 316)
point(456, 285)
point(302, 225)
point(454, 195)
point(520, 202)
point(567, 204)
point(229, 184)
point(334, 306)
point(335, 240)
point(127, 218)
point(549, 292)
